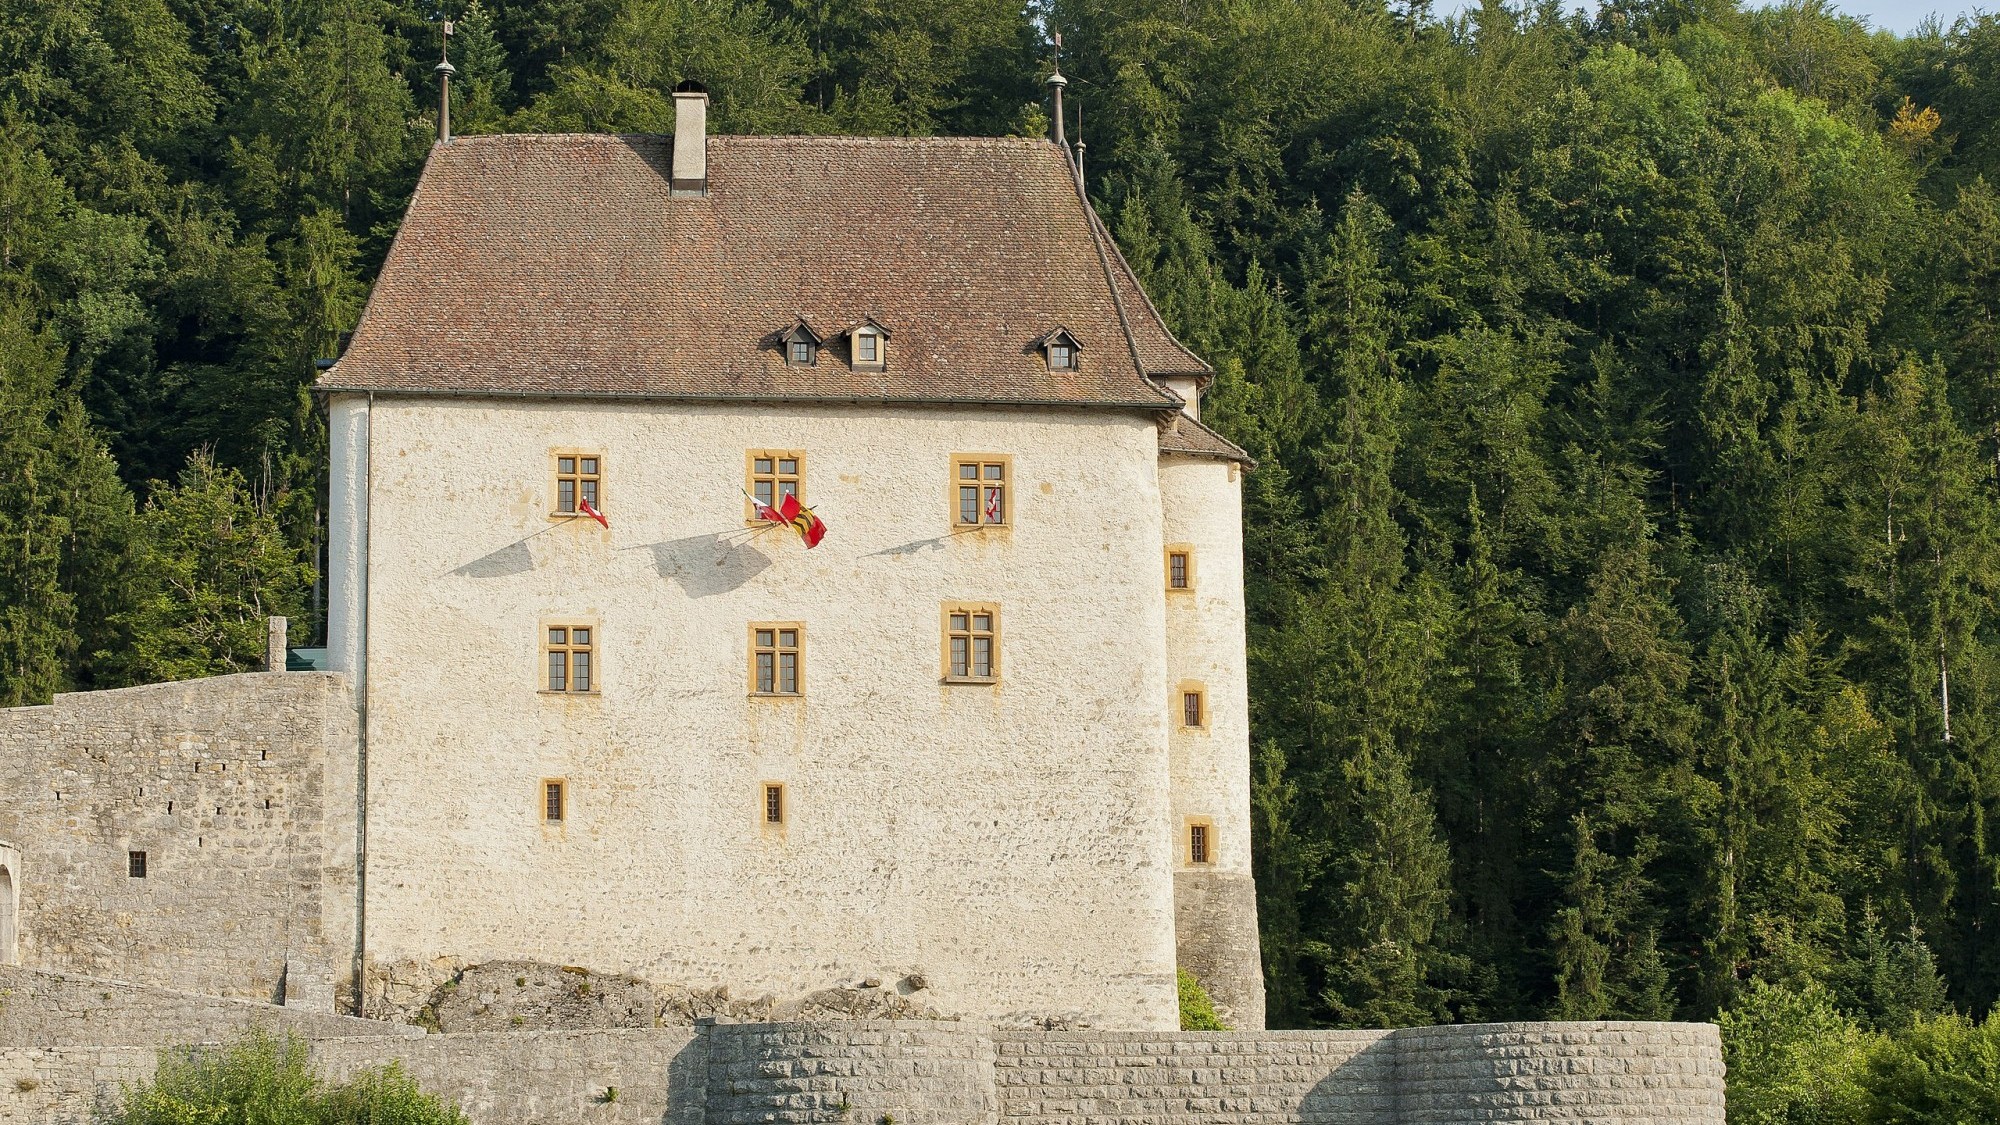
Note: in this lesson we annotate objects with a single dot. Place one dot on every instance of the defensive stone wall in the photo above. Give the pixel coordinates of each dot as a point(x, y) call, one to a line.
point(599, 1077)
point(1527, 1073)
point(239, 792)
point(67, 1043)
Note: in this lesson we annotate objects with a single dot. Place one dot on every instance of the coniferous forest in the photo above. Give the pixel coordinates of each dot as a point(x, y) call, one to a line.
point(1624, 549)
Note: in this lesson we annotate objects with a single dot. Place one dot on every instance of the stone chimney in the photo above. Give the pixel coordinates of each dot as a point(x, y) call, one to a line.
point(690, 141)
point(274, 645)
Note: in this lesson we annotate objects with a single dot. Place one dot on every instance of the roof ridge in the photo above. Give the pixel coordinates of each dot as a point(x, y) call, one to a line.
point(762, 138)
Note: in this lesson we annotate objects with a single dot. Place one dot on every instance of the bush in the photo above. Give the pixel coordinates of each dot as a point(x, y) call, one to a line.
point(268, 1080)
point(1793, 1058)
point(1944, 1070)
point(1197, 1010)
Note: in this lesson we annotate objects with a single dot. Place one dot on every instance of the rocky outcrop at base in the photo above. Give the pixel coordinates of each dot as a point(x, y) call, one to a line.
point(532, 995)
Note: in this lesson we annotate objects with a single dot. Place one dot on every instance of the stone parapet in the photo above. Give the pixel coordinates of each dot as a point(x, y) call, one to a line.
point(66, 1044)
point(919, 1073)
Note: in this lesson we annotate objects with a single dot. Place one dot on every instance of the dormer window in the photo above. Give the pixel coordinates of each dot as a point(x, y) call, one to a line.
point(868, 346)
point(1060, 349)
point(800, 345)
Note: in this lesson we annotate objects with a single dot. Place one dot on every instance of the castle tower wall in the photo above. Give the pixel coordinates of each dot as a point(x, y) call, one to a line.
point(347, 532)
point(981, 850)
point(230, 789)
point(1215, 897)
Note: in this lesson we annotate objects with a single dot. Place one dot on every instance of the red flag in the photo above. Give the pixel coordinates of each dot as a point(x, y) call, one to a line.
point(584, 507)
point(776, 514)
point(810, 527)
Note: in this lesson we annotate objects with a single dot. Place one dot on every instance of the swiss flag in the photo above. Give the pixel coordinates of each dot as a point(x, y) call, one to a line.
point(784, 511)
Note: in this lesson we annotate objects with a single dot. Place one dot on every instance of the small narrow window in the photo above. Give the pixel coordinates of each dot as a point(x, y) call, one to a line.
point(555, 800)
point(972, 643)
point(982, 494)
point(135, 864)
point(579, 477)
point(1180, 569)
point(1200, 842)
point(571, 652)
point(1191, 705)
point(1191, 715)
point(777, 658)
point(774, 803)
point(774, 473)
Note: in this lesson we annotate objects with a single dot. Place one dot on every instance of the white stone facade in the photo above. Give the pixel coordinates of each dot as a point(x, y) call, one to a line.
point(1013, 846)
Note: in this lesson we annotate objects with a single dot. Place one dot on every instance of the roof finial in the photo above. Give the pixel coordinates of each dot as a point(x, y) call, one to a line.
point(444, 71)
point(1079, 147)
point(1056, 84)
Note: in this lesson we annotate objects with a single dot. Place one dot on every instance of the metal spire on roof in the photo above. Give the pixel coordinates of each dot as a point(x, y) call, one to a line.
point(1056, 84)
point(444, 71)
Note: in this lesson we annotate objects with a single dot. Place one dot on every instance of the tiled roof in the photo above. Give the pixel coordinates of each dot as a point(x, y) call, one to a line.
point(559, 265)
point(1182, 434)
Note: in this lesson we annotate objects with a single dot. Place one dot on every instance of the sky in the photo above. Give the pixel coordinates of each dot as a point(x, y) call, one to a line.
point(1899, 16)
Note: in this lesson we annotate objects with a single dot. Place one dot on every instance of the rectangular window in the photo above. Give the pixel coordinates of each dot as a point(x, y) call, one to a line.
point(135, 864)
point(972, 643)
point(555, 800)
point(579, 476)
point(774, 803)
point(571, 652)
point(867, 348)
point(979, 484)
point(777, 662)
point(1192, 704)
point(1200, 842)
point(1180, 569)
point(773, 473)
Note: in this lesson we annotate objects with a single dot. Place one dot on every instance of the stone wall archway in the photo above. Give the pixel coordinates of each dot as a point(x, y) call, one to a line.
point(10, 906)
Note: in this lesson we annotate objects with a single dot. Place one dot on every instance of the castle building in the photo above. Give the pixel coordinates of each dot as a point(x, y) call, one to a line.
point(984, 745)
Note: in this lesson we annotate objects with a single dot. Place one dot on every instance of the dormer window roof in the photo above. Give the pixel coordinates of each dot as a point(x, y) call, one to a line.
point(800, 345)
point(868, 346)
point(1060, 349)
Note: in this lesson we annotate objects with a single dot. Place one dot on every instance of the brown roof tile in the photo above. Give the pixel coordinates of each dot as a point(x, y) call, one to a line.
point(558, 265)
point(1182, 434)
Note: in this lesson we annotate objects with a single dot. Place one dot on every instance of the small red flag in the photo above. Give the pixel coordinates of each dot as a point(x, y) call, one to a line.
point(584, 507)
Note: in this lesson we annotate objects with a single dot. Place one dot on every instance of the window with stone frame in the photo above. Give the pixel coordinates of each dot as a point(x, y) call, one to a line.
point(1200, 842)
point(980, 490)
point(1180, 569)
point(777, 658)
point(579, 477)
point(972, 642)
point(570, 664)
point(774, 473)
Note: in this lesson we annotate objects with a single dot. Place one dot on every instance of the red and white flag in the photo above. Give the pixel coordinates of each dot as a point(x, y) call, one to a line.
point(585, 507)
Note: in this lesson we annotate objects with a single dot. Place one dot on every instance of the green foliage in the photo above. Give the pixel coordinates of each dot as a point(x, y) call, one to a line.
point(1793, 1058)
point(212, 566)
point(1197, 1009)
point(266, 1078)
